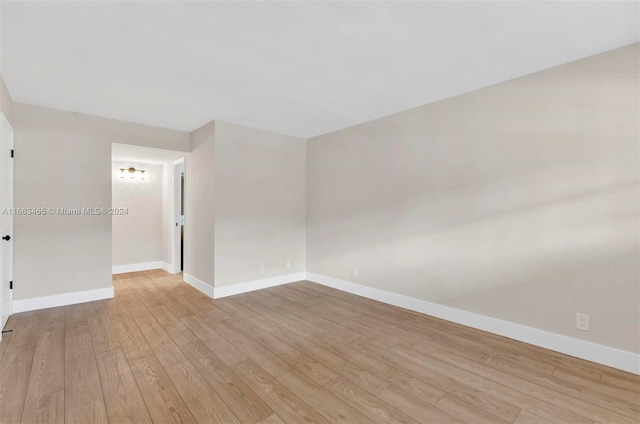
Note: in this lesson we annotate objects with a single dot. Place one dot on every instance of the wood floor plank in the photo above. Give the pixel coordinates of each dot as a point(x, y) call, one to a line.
point(48, 408)
point(233, 308)
point(416, 408)
point(24, 337)
point(287, 322)
point(161, 397)
point(312, 320)
point(478, 392)
point(577, 387)
point(296, 359)
point(115, 374)
point(137, 309)
point(244, 402)
point(532, 356)
point(167, 352)
point(251, 349)
point(526, 417)
point(209, 309)
point(202, 399)
point(177, 330)
point(29, 318)
point(227, 352)
point(466, 412)
point(374, 408)
point(284, 402)
point(551, 396)
point(327, 404)
point(514, 396)
point(272, 419)
point(127, 407)
point(396, 376)
point(94, 413)
point(348, 370)
point(15, 369)
point(624, 383)
point(620, 374)
point(598, 386)
point(45, 393)
point(131, 339)
point(176, 308)
point(81, 380)
point(103, 334)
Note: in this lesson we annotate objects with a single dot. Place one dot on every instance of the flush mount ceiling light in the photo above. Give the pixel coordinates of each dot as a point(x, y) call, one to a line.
point(132, 173)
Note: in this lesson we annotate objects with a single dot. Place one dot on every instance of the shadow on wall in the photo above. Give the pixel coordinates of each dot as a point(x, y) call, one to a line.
point(536, 263)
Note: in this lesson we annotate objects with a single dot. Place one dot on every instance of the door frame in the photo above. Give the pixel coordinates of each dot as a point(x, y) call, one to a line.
point(178, 167)
point(10, 146)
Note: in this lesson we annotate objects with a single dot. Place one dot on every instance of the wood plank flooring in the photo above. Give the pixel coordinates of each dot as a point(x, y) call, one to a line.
point(162, 352)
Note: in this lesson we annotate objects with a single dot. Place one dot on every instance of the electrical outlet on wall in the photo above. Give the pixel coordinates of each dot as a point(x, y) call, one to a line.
point(354, 273)
point(288, 264)
point(261, 269)
point(582, 322)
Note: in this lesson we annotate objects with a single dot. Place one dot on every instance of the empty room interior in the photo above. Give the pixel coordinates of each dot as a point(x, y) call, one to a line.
point(320, 212)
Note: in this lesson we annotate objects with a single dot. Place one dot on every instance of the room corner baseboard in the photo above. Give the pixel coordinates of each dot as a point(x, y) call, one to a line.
point(198, 284)
point(616, 358)
point(219, 292)
point(168, 267)
point(35, 303)
point(142, 266)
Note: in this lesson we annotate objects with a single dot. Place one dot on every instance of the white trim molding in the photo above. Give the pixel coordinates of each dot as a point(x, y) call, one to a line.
point(35, 303)
point(168, 267)
point(219, 292)
point(605, 355)
point(198, 284)
point(142, 266)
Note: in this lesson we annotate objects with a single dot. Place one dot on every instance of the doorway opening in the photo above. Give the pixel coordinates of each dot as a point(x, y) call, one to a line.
point(178, 178)
point(148, 209)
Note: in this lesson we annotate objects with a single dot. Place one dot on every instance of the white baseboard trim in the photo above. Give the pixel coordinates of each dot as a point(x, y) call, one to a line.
point(35, 303)
point(142, 266)
point(219, 292)
point(168, 267)
point(198, 284)
point(616, 358)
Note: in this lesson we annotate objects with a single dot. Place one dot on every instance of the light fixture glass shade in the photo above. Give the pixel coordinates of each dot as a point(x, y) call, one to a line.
point(133, 173)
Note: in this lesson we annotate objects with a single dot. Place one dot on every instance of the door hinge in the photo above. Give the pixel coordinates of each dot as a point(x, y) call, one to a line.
point(10, 285)
point(11, 152)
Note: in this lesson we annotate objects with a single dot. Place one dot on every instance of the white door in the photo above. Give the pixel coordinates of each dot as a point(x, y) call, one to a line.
point(6, 218)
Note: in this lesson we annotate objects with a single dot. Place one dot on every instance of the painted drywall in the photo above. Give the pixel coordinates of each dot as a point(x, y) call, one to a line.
point(259, 208)
point(5, 100)
point(137, 234)
point(518, 201)
point(63, 159)
point(199, 197)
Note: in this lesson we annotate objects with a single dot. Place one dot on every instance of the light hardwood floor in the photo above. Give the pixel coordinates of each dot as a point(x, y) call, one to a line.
point(162, 352)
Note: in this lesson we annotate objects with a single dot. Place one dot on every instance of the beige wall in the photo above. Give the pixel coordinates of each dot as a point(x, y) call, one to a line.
point(260, 196)
point(199, 196)
point(63, 159)
point(137, 235)
point(518, 201)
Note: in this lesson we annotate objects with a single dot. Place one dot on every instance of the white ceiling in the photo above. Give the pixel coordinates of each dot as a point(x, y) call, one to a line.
point(139, 154)
point(298, 68)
